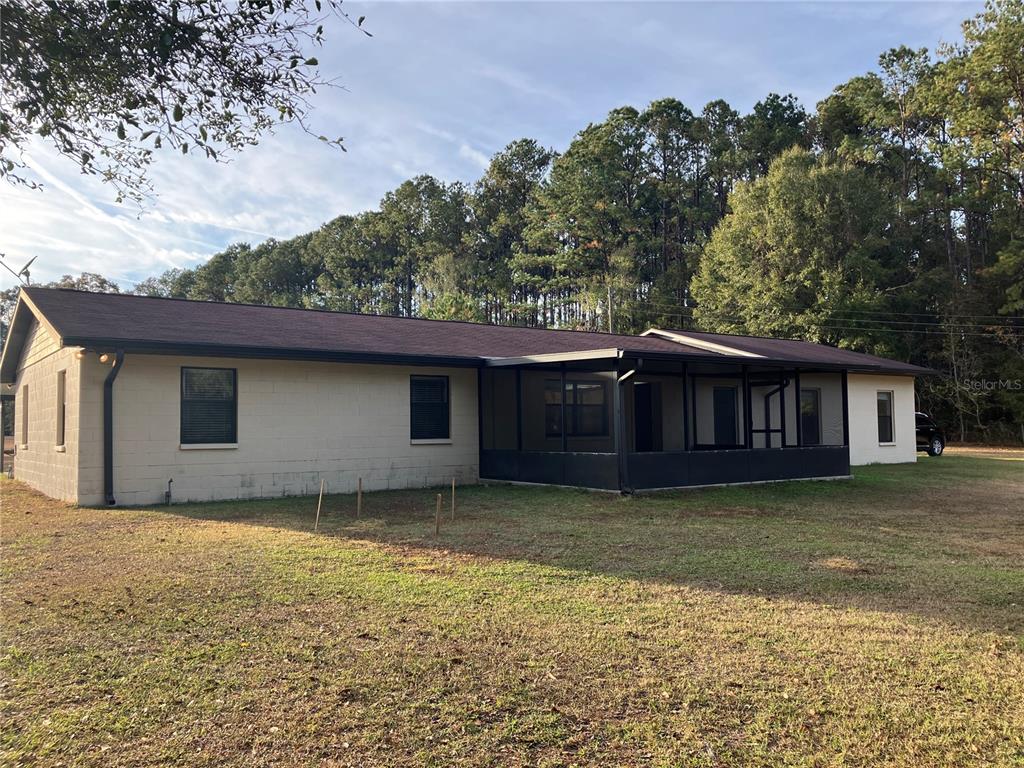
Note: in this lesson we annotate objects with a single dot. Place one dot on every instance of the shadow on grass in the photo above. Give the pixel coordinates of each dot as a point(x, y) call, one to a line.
point(941, 539)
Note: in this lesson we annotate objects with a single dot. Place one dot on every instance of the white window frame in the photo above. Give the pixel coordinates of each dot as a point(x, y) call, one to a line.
point(193, 446)
point(892, 415)
point(448, 403)
point(60, 422)
point(23, 443)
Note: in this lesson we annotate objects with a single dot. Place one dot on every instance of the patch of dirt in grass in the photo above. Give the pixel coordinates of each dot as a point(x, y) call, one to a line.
point(843, 565)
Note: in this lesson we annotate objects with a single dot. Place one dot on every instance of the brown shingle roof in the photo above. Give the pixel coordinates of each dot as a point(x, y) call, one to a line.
point(109, 318)
point(155, 324)
point(802, 351)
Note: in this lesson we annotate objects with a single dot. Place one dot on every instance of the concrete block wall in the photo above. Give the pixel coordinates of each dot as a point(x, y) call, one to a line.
point(298, 422)
point(90, 430)
point(862, 390)
point(40, 461)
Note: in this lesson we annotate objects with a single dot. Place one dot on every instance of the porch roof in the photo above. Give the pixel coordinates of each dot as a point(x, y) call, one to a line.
point(789, 350)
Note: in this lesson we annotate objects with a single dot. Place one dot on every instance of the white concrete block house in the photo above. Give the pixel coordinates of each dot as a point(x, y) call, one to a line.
point(123, 399)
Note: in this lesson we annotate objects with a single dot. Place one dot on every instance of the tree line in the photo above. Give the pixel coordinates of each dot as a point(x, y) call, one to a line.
point(888, 220)
point(594, 237)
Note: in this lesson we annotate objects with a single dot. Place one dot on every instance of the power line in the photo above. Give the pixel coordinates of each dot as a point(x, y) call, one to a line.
point(919, 314)
point(831, 327)
point(1009, 322)
point(875, 312)
point(834, 323)
point(989, 335)
point(878, 312)
point(840, 321)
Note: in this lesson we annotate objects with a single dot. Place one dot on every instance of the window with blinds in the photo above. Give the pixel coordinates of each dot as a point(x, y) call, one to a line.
point(429, 408)
point(209, 406)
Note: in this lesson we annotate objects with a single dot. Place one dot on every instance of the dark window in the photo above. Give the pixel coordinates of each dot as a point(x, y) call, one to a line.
point(726, 417)
point(885, 431)
point(62, 405)
point(209, 405)
point(429, 414)
point(585, 408)
point(810, 416)
point(24, 415)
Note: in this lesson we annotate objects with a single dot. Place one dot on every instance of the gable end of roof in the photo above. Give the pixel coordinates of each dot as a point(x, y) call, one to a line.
point(25, 312)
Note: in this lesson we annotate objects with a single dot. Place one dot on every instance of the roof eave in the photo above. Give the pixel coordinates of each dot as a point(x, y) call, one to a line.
point(553, 357)
point(142, 346)
point(707, 358)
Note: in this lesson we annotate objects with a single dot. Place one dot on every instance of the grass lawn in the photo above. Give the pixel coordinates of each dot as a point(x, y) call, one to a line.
point(869, 622)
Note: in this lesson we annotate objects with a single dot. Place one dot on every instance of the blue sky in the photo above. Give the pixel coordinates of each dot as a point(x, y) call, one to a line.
point(438, 89)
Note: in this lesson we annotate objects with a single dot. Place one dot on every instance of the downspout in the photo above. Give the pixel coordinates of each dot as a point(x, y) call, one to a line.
point(108, 427)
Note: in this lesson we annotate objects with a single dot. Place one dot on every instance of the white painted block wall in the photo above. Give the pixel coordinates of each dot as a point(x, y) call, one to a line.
point(298, 422)
point(863, 396)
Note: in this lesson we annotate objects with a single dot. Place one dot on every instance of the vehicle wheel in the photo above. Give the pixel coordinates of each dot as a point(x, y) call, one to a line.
point(935, 447)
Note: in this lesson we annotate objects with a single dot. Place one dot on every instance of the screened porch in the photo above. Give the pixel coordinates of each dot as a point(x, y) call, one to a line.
point(628, 423)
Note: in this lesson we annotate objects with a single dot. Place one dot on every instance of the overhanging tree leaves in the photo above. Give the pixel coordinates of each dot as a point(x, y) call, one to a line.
point(108, 83)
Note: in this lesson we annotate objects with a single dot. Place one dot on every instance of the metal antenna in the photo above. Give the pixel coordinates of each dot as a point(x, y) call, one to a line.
point(22, 274)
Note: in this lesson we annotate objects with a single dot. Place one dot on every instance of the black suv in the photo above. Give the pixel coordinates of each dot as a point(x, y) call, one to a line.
point(930, 437)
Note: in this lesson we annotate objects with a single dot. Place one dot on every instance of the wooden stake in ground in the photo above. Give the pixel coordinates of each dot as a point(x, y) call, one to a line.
point(319, 502)
point(437, 517)
point(453, 499)
point(359, 498)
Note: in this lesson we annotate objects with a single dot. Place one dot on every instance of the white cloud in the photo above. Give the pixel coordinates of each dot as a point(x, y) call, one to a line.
point(438, 133)
point(474, 155)
point(87, 208)
point(522, 83)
